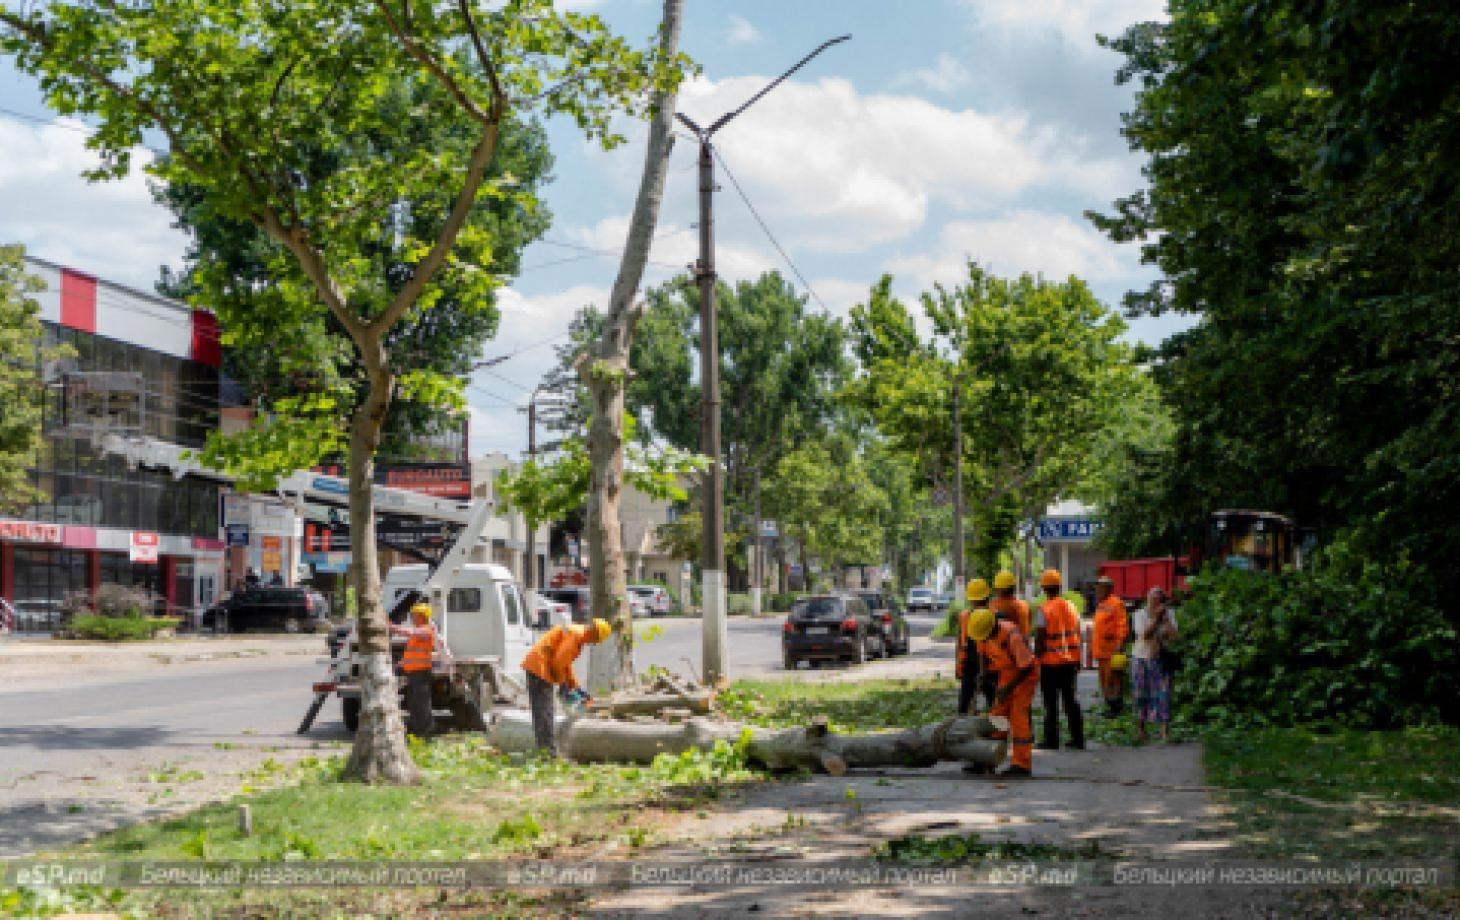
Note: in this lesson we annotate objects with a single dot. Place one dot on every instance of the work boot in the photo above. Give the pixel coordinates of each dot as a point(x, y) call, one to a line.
point(1014, 773)
point(1075, 746)
point(1047, 746)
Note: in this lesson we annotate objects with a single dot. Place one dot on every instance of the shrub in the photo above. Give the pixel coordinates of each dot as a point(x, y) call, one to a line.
point(114, 628)
point(1347, 642)
point(782, 603)
point(948, 626)
point(737, 603)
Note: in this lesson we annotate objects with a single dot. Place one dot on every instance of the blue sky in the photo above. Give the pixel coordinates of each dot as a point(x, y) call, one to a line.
point(944, 130)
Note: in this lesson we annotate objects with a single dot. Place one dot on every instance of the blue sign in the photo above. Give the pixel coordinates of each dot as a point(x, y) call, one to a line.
point(331, 563)
point(330, 484)
point(236, 534)
point(1068, 530)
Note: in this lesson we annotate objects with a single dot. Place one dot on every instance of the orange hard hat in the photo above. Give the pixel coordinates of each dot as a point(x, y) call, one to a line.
point(1050, 579)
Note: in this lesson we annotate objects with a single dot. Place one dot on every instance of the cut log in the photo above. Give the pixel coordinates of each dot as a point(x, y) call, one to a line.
point(633, 704)
point(814, 747)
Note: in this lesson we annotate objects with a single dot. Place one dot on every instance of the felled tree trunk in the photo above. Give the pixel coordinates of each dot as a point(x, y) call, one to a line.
point(647, 704)
point(813, 747)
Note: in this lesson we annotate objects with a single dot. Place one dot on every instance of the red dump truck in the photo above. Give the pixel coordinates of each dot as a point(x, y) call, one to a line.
point(1134, 577)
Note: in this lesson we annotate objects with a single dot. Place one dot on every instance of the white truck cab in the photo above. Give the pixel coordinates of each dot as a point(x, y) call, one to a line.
point(482, 612)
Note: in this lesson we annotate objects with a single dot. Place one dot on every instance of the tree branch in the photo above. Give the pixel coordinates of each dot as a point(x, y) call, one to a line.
point(483, 57)
point(414, 49)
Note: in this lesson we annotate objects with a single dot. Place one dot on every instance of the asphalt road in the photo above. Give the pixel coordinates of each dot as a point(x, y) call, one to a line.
point(76, 760)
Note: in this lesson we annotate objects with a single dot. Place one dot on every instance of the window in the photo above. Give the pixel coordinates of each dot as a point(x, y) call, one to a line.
point(464, 600)
point(512, 605)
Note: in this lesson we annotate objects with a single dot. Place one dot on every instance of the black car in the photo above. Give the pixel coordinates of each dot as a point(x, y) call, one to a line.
point(575, 598)
point(830, 627)
point(287, 609)
point(892, 625)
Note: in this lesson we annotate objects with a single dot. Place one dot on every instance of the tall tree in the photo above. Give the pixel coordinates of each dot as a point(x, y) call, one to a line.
point(21, 357)
point(273, 111)
point(826, 500)
point(1302, 203)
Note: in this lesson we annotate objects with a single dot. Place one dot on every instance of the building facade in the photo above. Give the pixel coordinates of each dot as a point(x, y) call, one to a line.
point(98, 522)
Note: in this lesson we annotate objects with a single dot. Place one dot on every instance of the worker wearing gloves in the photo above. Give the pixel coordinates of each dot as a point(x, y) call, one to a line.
point(967, 667)
point(549, 666)
point(1107, 638)
point(1008, 607)
point(1057, 645)
point(1009, 657)
point(416, 663)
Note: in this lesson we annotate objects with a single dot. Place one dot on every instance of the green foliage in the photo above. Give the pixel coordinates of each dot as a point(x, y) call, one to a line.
point(825, 499)
point(724, 763)
point(21, 356)
point(116, 628)
point(947, 627)
point(850, 707)
point(1300, 203)
point(961, 849)
point(517, 831)
point(1348, 642)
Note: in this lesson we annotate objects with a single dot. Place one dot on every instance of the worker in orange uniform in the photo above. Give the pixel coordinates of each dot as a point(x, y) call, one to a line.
point(549, 667)
point(1008, 607)
point(1057, 645)
point(1107, 637)
point(967, 667)
point(1008, 655)
point(421, 641)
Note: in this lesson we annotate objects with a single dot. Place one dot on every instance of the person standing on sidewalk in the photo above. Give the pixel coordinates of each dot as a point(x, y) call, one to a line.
point(1154, 627)
point(1057, 645)
point(1008, 655)
point(968, 667)
point(549, 667)
point(1107, 637)
point(1008, 607)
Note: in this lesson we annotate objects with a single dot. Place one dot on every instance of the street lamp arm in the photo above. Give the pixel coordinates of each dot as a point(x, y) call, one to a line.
point(720, 122)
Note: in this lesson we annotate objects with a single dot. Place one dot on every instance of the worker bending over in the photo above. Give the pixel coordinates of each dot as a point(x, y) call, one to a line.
point(1003, 647)
point(1057, 645)
point(421, 641)
point(549, 666)
point(967, 666)
point(1107, 637)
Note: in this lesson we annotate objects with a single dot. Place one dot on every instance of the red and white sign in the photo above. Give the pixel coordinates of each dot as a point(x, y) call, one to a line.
point(30, 532)
point(144, 546)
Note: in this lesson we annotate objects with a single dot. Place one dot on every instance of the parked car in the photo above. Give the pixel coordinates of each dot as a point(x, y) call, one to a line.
point(551, 613)
point(921, 599)
point(942, 602)
point(269, 607)
point(891, 624)
point(835, 627)
point(658, 600)
point(575, 598)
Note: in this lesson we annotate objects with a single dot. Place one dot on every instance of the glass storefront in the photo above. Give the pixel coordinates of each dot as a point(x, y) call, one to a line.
point(43, 579)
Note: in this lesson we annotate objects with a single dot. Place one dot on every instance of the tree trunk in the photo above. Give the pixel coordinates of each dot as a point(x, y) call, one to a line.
point(379, 754)
point(606, 373)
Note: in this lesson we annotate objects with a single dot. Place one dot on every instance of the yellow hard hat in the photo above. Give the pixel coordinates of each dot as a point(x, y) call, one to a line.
point(978, 590)
point(1050, 579)
point(981, 624)
point(421, 610)
point(1004, 580)
point(1119, 662)
point(602, 628)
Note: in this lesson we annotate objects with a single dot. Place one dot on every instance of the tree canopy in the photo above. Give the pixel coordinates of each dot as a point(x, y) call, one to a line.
point(21, 355)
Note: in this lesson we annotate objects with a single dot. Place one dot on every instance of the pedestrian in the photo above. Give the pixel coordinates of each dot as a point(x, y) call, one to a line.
point(421, 644)
point(1057, 645)
point(1154, 628)
point(1008, 655)
point(1008, 607)
point(7, 616)
point(549, 667)
point(251, 579)
point(967, 666)
point(1107, 637)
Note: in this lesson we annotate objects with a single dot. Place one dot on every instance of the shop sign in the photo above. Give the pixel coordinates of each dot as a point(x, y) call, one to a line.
point(237, 534)
point(144, 546)
point(1068, 530)
point(30, 532)
point(273, 557)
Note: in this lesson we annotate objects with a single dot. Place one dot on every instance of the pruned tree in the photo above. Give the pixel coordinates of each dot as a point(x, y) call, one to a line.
point(272, 112)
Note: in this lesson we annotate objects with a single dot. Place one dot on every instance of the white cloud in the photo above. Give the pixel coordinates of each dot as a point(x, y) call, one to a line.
point(845, 171)
point(840, 295)
point(741, 31)
point(1076, 21)
point(675, 246)
point(110, 229)
point(945, 76)
point(1037, 242)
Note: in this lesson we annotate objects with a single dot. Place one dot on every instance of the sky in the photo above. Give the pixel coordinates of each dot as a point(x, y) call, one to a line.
point(942, 131)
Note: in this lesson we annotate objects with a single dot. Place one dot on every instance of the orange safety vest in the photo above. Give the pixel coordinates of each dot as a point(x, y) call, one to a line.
point(1013, 610)
point(1109, 631)
point(1061, 632)
point(1007, 653)
point(419, 649)
point(552, 657)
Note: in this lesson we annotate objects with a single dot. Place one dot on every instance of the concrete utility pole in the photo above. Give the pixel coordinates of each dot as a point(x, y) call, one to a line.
point(958, 572)
point(712, 540)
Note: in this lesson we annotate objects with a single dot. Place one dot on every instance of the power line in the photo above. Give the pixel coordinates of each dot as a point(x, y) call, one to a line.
point(769, 235)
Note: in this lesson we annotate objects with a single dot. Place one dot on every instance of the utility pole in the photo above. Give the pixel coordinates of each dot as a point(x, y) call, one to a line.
point(712, 540)
point(529, 570)
point(758, 541)
point(958, 573)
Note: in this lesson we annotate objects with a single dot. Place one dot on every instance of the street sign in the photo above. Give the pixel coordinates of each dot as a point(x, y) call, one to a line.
point(236, 534)
point(1068, 530)
point(769, 530)
point(144, 547)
